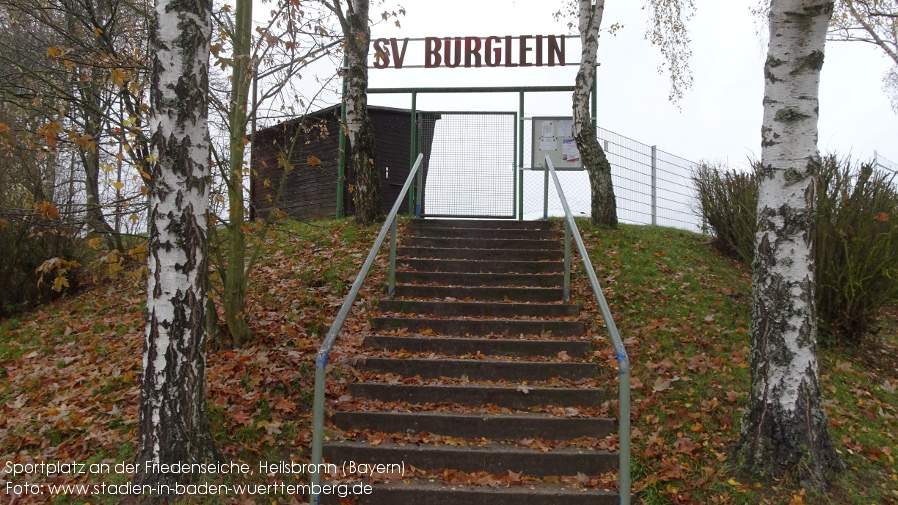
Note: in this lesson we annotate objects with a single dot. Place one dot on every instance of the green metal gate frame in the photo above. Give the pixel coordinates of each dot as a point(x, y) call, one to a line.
point(519, 127)
point(419, 186)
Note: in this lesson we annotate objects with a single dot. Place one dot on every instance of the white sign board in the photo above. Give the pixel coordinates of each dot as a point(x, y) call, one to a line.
point(553, 136)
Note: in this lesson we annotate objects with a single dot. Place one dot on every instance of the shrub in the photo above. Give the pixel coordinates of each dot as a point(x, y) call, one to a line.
point(855, 239)
point(27, 241)
point(856, 246)
point(728, 203)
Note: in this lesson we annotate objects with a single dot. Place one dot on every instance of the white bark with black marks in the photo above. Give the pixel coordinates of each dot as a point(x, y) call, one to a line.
point(784, 430)
point(604, 205)
point(359, 130)
point(173, 423)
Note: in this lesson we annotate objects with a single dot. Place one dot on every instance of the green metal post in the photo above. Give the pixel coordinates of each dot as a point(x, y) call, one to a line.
point(514, 170)
point(392, 288)
point(412, 152)
point(419, 182)
point(521, 159)
point(595, 99)
point(341, 153)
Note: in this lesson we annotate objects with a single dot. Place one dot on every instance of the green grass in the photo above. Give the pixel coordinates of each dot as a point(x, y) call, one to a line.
point(682, 309)
point(684, 312)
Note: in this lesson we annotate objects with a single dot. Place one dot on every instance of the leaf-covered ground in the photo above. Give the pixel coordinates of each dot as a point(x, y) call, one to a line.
point(69, 371)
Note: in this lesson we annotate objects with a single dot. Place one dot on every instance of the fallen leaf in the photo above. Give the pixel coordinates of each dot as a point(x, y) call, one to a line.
point(661, 385)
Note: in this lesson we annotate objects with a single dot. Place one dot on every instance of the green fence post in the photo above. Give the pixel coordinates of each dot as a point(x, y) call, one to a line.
point(514, 169)
point(413, 195)
point(521, 159)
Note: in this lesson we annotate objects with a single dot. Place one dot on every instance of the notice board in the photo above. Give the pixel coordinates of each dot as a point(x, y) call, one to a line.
point(553, 136)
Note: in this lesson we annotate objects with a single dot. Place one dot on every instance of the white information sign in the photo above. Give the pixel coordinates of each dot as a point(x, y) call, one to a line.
point(553, 136)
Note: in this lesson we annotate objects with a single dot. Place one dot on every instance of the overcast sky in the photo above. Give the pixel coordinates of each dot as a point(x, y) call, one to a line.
point(719, 119)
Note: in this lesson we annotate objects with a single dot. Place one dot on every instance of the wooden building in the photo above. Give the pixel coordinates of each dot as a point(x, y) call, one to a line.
point(308, 190)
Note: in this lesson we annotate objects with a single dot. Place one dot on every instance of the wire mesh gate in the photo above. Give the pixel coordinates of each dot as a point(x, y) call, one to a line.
point(469, 168)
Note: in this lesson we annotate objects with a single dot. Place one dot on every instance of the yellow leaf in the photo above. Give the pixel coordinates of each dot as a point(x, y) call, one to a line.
point(118, 76)
point(4, 128)
point(118, 186)
point(49, 132)
point(733, 482)
point(94, 243)
point(134, 218)
point(59, 283)
point(313, 161)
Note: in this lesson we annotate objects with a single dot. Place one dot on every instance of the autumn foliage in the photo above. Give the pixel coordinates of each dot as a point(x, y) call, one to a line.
point(69, 372)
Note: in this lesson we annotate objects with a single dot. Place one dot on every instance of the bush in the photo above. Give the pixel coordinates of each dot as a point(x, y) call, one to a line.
point(27, 241)
point(728, 203)
point(855, 239)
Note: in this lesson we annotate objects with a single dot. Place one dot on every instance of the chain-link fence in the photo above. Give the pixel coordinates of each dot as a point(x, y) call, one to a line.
point(469, 168)
point(883, 162)
point(651, 186)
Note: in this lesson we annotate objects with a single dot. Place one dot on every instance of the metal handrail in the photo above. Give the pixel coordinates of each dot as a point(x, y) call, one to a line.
point(570, 228)
point(328, 343)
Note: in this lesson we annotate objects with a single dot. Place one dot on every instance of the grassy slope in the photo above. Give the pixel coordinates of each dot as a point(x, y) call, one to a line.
point(68, 382)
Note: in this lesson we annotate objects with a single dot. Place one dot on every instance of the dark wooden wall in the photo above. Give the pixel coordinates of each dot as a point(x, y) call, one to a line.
point(310, 191)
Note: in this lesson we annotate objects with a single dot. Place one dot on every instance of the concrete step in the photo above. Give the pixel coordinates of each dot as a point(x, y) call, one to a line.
point(477, 426)
point(462, 253)
point(471, 279)
point(480, 293)
point(483, 233)
point(480, 326)
point(426, 492)
point(495, 224)
point(471, 266)
point(491, 458)
point(493, 309)
point(481, 369)
point(519, 397)
point(479, 243)
point(486, 346)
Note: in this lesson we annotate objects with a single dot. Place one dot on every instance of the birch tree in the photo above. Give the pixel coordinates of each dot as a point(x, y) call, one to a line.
point(667, 30)
point(173, 423)
point(603, 204)
point(359, 130)
point(784, 430)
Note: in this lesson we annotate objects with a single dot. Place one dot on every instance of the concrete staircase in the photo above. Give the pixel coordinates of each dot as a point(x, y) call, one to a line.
point(483, 363)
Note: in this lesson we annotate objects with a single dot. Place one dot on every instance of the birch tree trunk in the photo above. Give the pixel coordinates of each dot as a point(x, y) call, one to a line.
point(784, 430)
point(173, 423)
point(604, 206)
point(360, 132)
